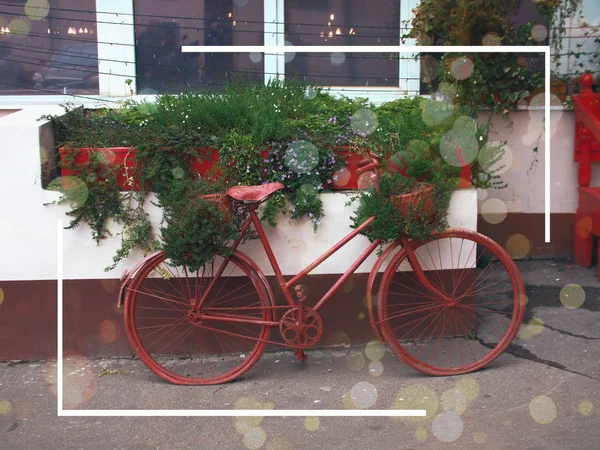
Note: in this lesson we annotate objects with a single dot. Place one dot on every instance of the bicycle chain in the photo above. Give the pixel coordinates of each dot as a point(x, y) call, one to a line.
point(252, 338)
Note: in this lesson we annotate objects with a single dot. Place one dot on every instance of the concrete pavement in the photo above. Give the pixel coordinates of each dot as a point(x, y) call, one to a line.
point(543, 393)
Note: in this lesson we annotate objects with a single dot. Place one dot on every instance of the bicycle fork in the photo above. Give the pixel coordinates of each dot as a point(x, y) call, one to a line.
point(418, 271)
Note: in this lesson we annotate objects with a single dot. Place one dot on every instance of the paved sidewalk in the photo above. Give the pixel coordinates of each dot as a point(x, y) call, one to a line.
point(543, 393)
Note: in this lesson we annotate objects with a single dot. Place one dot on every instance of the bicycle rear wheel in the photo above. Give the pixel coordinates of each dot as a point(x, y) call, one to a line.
point(441, 338)
point(182, 347)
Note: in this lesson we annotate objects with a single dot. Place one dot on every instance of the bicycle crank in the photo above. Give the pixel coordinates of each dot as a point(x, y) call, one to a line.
point(301, 327)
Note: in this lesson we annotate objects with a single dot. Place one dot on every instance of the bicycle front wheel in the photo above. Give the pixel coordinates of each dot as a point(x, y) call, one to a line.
point(179, 343)
point(438, 337)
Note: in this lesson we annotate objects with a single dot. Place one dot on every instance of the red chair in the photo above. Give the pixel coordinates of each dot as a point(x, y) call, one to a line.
point(586, 106)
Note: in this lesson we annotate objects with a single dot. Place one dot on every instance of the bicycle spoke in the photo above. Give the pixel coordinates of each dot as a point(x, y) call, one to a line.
point(410, 312)
point(420, 293)
point(194, 350)
point(474, 313)
point(464, 271)
point(158, 328)
point(156, 308)
point(435, 313)
point(411, 304)
point(427, 341)
point(468, 294)
point(480, 273)
point(438, 316)
point(165, 300)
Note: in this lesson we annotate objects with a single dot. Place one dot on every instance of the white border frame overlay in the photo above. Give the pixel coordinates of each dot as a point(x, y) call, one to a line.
point(311, 412)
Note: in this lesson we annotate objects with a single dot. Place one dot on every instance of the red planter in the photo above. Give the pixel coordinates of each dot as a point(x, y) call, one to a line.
point(121, 157)
point(423, 198)
point(204, 162)
point(124, 159)
point(465, 178)
point(347, 177)
point(223, 201)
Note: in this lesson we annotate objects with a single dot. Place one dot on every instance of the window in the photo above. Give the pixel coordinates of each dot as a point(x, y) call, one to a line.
point(163, 26)
point(70, 48)
point(48, 49)
point(338, 22)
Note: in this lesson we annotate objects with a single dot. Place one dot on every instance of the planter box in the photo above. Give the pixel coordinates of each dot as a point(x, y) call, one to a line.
point(204, 162)
point(121, 157)
point(124, 159)
point(347, 178)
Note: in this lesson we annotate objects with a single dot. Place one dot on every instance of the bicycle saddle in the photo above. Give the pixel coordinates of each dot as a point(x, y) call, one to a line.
point(254, 193)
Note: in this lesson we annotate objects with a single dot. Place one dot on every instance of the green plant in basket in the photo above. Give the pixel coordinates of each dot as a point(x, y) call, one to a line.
point(198, 221)
point(404, 205)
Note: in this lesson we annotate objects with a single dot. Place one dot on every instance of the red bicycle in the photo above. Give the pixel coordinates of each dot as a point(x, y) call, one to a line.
point(455, 312)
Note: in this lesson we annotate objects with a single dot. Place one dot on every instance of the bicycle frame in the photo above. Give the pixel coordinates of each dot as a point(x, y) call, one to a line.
point(286, 286)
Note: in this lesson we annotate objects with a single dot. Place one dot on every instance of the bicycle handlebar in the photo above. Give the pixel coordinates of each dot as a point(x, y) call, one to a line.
point(370, 163)
point(367, 168)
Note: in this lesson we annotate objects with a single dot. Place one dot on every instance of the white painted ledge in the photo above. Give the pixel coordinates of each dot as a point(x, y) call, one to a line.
point(28, 229)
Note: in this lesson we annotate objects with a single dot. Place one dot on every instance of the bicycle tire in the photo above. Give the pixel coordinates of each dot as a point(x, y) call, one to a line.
point(481, 322)
point(161, 306)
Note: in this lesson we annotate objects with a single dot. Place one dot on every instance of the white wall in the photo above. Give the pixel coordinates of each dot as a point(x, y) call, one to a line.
point(28, 230)
point(6, 112)
point(525, 177)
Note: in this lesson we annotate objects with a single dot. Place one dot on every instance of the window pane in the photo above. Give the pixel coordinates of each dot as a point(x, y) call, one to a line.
point(163, 26)
point(338, 22)
point(48, 50)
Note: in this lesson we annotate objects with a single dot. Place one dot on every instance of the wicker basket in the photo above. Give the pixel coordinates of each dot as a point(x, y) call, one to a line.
point(223, 201)
point(421, 198)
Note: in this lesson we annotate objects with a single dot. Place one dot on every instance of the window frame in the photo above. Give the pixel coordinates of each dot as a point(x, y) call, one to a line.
point(409, 67)
point(116, 55)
